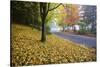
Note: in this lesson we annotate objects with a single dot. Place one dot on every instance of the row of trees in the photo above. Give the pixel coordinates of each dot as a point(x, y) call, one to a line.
point(65, 15)
point(32, 13)
point(86, 21)
point(38, 14)
point(25, 12)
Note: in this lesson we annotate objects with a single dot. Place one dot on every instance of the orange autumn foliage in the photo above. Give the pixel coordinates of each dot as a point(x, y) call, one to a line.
point(72, 14)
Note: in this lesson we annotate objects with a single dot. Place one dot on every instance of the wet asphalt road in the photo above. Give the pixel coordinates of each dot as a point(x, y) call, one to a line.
point(84, 40)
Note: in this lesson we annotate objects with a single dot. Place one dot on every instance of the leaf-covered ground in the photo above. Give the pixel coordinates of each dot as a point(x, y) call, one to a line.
point(26, 48)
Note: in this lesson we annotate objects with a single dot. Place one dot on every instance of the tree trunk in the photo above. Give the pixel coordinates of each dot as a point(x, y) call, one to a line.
point(93, 27)
point(74, 29)
point(63, 29)
point(43, 37)
point(44, 8)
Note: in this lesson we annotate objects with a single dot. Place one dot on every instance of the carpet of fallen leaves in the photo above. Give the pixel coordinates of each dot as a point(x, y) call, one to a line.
point(27, 49)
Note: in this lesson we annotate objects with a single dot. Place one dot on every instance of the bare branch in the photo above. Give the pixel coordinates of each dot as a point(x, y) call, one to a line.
point(63, 5)
point(48, 6)
point(54, 7)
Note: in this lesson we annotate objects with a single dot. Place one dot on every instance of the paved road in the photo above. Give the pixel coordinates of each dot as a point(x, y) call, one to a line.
point(87, 41)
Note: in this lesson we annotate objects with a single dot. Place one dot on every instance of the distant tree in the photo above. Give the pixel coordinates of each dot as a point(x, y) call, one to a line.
point(58, 15)
point(72, 14)
point(72, 17)
point(90, 16)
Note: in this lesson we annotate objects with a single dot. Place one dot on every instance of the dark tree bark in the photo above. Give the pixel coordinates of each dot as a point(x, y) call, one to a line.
point(43, 37)
point(43, 13)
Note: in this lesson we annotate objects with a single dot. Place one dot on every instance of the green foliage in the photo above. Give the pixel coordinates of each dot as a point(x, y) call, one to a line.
point(82, 31)
point(93, 32)
point(48, 30)
point(57, 14)
point(25, 12)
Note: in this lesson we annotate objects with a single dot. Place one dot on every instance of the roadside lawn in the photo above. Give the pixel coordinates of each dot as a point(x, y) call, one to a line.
point(27, 49)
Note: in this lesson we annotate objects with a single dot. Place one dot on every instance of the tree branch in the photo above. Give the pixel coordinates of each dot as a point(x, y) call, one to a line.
point(54, 7)
point(41, 10)
point(47, 8)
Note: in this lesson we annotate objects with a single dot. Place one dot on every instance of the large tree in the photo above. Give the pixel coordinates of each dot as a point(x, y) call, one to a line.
point(44, 9)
